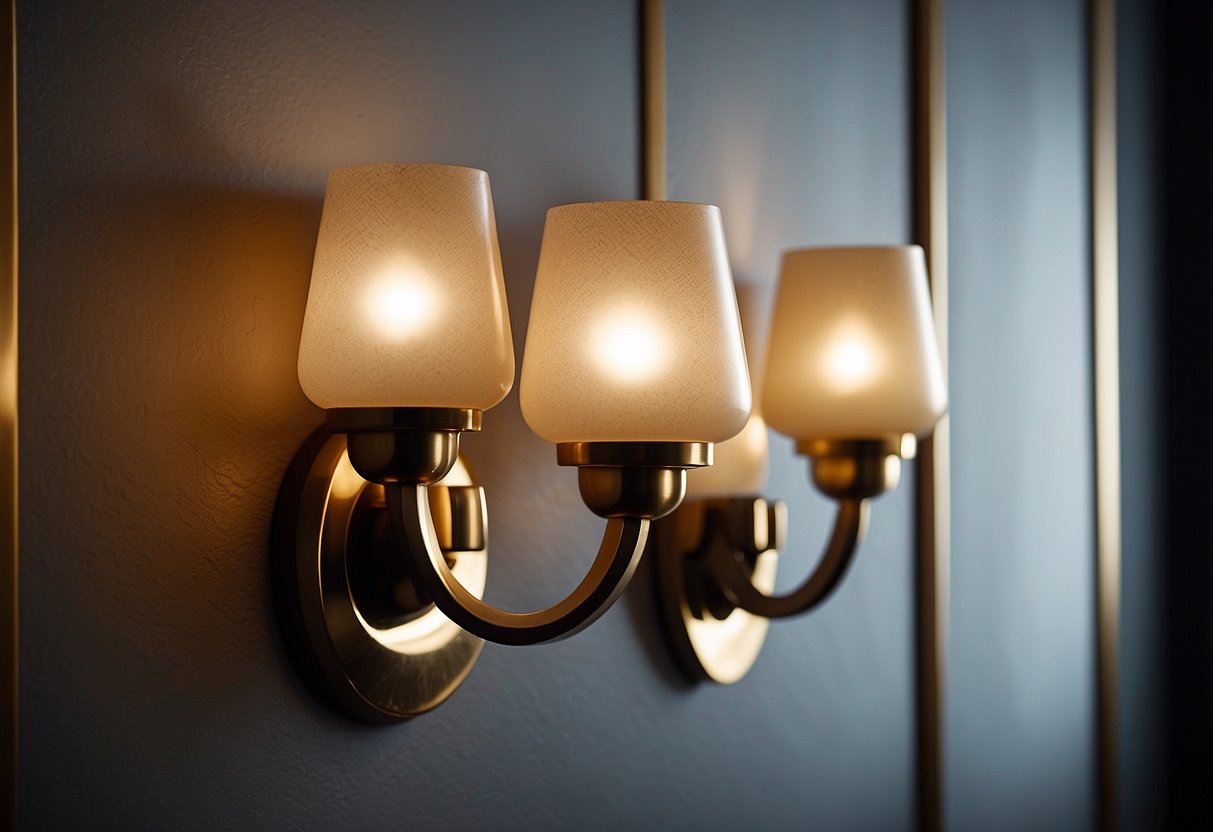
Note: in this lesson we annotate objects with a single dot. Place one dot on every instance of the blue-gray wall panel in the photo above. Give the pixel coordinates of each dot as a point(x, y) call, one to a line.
point(794, 119)
point(1142, 633)
point(1020, 729)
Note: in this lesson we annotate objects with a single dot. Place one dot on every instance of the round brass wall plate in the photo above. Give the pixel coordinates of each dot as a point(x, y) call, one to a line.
point(375, 675)
point(705, 647)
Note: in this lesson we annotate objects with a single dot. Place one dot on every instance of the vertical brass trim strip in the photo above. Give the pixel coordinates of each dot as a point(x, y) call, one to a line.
point(653, 79)
point(933, 557)
point(1106, 344)
point(8, 422)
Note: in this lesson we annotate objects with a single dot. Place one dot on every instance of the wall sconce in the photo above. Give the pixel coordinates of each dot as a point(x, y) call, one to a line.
point(634, 366)
point(853, 375)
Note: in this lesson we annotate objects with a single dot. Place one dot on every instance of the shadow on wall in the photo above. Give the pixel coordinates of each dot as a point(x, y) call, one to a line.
point(180, 313)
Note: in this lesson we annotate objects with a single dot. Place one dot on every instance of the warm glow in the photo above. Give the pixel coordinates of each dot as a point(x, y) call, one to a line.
point(634, 334)
point(407, 305)
point(401, 305)
point(753, 438)
point(630, 346)
point(850, 358)
point(740, 465)
point(850, 363)
point(346, 481)
point(852, 351)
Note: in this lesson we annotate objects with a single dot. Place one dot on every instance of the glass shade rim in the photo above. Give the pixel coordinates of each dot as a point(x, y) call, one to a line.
point(597, 203)
point(406, 165)
point(854, 248)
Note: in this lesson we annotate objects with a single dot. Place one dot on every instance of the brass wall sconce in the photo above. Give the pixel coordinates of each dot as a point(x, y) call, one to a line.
point(853, 375)
point(633, 367)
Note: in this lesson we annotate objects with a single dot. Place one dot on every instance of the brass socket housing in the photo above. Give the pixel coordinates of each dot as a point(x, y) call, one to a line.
point(402, 445)
point(633, 479)
point(856, 469)
point(632, 492)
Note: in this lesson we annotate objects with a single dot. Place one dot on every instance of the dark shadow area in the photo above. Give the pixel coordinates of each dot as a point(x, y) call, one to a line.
point(160, 440)
point(1184, 167)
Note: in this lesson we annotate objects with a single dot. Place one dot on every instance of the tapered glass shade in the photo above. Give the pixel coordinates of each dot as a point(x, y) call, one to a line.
point(852, 353)
point(740, 464)
point(407, 304)
point(634, 333)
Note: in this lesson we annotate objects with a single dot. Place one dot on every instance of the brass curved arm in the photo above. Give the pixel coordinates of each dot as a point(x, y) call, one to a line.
point(622, 545)
point(731, 571)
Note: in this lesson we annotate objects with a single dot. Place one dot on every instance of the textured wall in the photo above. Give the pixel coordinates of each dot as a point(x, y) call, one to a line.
point(794, 118)
point(1020, 739)
point(173, 160)
point(173, 156)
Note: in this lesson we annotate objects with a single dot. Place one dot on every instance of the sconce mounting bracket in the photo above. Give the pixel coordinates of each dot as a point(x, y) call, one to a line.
point(376, 649)
point(712, 639)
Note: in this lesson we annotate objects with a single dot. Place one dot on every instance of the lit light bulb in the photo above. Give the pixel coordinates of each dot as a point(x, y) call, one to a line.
point(852, 351)
point(406, 306)
point(634, 334)
point(630, 346)
point(401, 306)
point(850, 363)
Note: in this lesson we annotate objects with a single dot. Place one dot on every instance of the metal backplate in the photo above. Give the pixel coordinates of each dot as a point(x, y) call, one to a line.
point(373, 673)
point(707, 648)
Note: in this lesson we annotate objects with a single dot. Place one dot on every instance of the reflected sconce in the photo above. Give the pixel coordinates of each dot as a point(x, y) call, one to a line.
point(634, 366)
point(853, 375)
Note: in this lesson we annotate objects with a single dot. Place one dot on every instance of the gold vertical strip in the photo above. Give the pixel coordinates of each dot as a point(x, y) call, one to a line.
point(1105, 323)
point(933, 561)
point(8, 421)
point(653, 80)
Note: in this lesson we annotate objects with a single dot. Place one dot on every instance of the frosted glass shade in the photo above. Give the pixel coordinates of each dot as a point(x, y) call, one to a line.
point(634, 333)
point(407, 305)
point(739, 465)
point(852, 353)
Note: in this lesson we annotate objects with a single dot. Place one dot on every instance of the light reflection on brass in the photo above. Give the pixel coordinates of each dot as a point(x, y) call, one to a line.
point(716, 557)
point(376, 674)
point(379, 570)
point(460, 516)
point(857, 468)
point(933, 476)
point(633, 479)
point(1105, 295)
point(618, 556)
point(711, 639)
point(653, 71)
point(635, 454)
